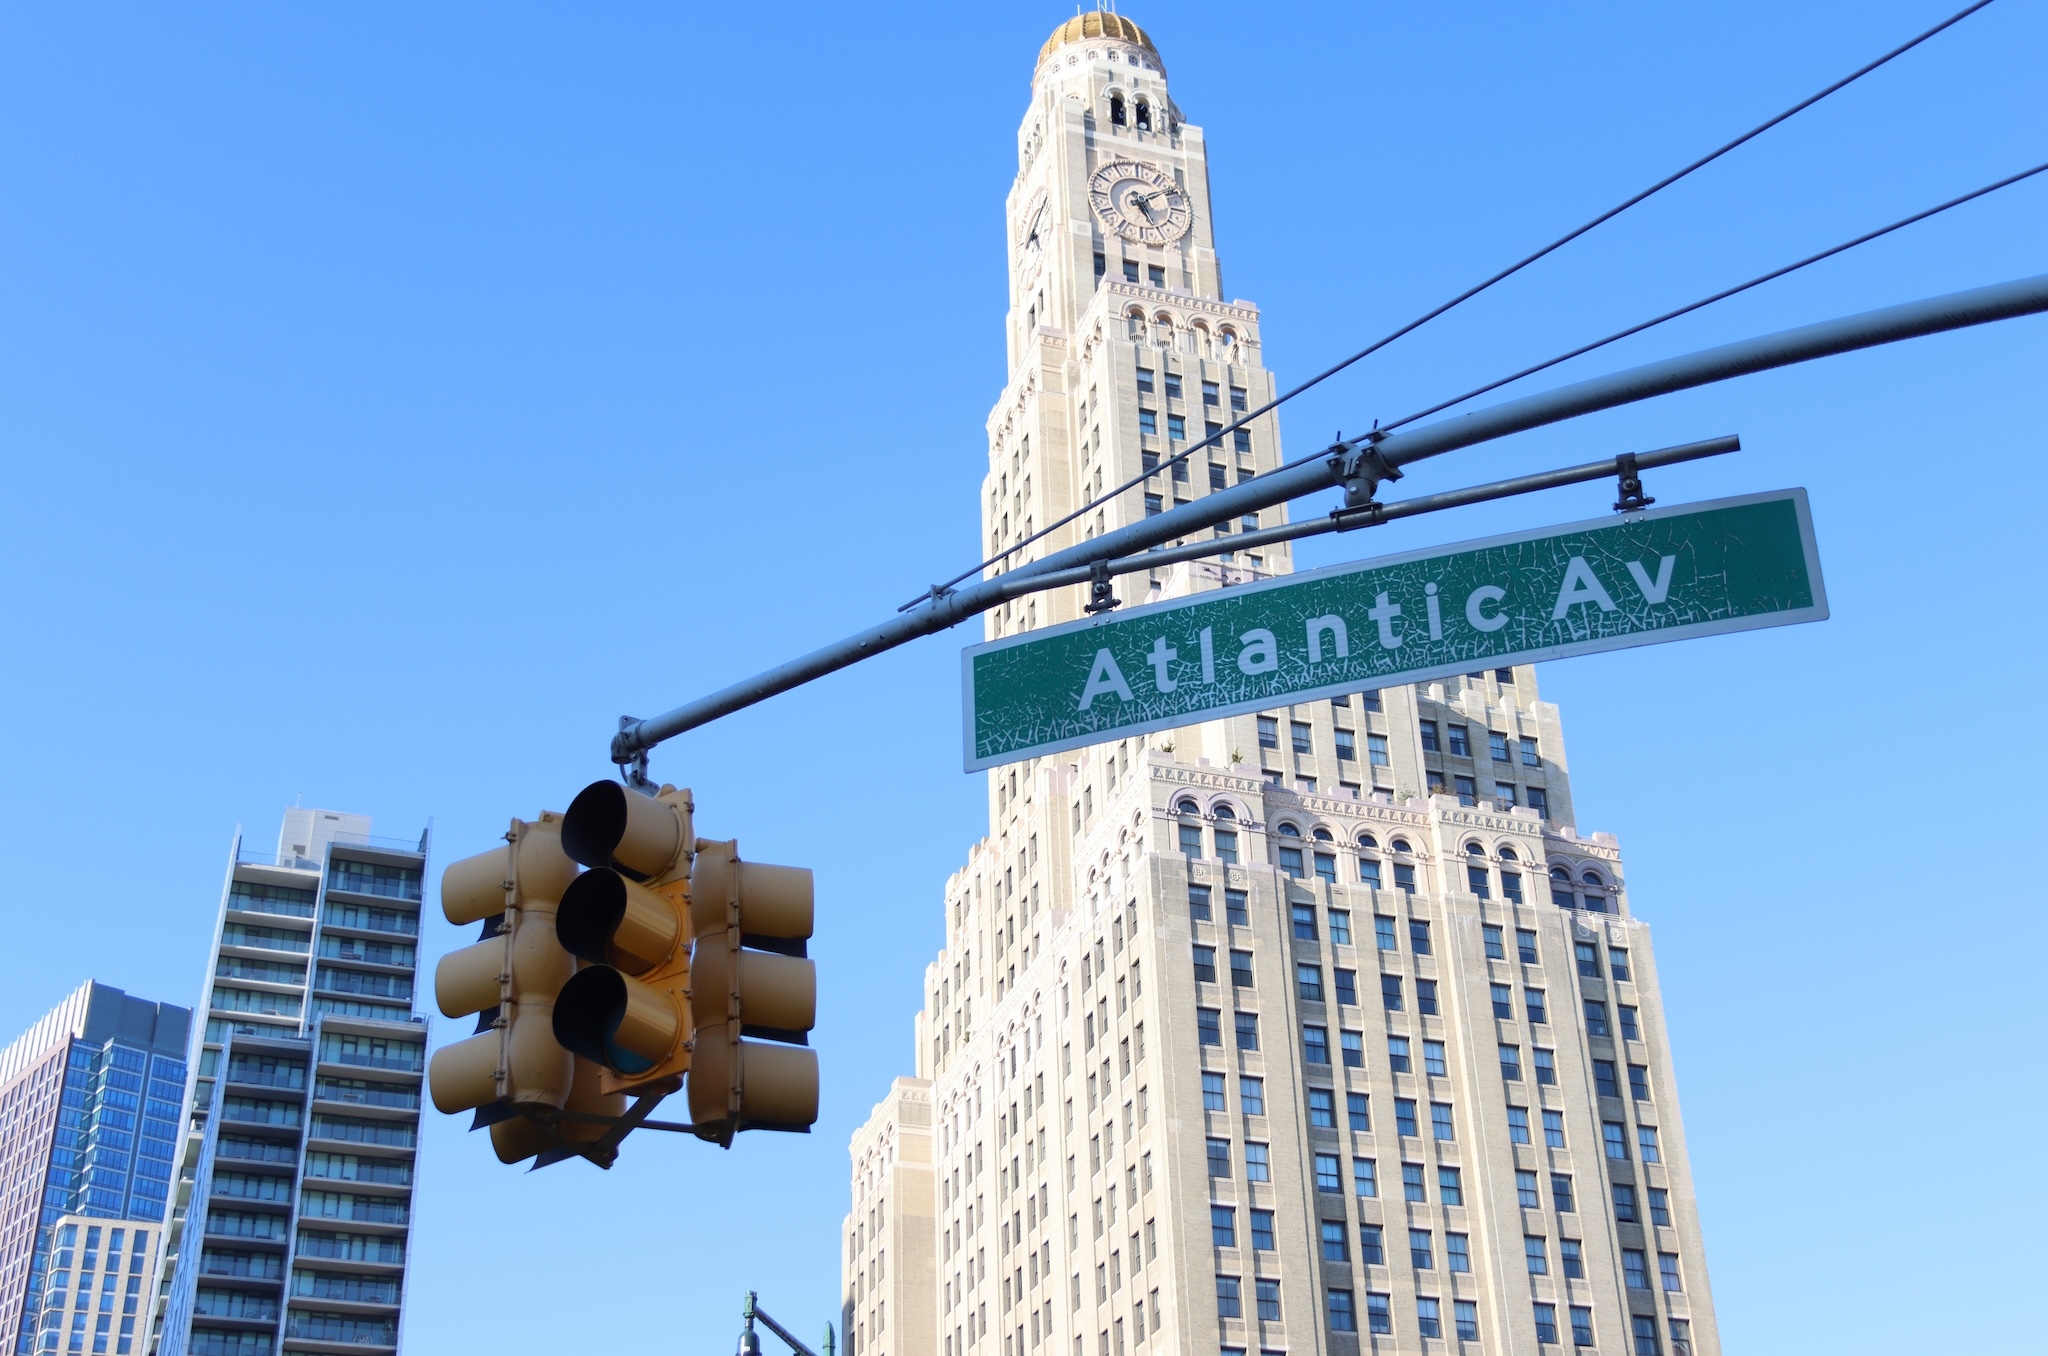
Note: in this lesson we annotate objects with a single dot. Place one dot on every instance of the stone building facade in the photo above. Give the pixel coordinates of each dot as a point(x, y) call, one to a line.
point(1316, 1030)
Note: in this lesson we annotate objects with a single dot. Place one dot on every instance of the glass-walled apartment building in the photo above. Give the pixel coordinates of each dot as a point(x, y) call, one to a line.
point(294, 1204)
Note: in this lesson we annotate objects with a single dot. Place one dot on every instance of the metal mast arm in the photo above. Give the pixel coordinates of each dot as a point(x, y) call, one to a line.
point(1363, 461)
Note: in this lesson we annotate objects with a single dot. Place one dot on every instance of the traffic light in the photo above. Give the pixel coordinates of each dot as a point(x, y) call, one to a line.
point(628, 1007)
point(512, 1072)
point(749, 977)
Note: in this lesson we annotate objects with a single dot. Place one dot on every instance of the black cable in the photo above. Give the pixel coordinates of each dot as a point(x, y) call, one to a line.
point(1465, 296)
point(1718, 296)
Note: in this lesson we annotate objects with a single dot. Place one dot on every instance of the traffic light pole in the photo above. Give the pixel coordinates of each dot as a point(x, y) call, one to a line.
point(1358, 466)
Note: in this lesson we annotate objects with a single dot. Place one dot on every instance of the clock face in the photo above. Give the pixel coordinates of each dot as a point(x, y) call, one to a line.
point(1139, 202)
point(1032, 252)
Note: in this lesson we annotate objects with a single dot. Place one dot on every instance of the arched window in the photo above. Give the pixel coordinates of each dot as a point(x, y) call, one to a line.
point(1475, 849)
point(1401, 845)
point(1144, 116)
point(1366, 840)
point(1559, 873)
point(1116, 110)
point(1135, 323)
point(1289, 831)
point(1320, 835)
point(1593, 879)
point(1187, 807)
point(1226, 338)
point(1507, 854)
point(1225, 813)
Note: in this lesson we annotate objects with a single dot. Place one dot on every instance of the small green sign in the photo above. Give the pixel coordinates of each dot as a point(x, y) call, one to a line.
point(1637, 579)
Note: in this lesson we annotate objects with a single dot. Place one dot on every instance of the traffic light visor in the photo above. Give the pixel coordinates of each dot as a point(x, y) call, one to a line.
point(625, 1026)
point(607, 919)
point(609, 825)
point(775, 901)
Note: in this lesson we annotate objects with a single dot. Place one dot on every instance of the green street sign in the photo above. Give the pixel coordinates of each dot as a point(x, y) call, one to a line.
point(1636, 579)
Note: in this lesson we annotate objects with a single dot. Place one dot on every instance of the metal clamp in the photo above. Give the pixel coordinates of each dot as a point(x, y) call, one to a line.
point(634, 768)
point(1361, 469)
point(1630, 485)
point(1100, 599)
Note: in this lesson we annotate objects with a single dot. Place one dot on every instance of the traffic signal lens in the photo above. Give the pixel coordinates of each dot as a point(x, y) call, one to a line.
point(608, 825)
point(604, 1016)
point(607, 919)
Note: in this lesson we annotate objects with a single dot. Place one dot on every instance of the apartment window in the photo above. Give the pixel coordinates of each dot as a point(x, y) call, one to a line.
point(1569, 1259)
point(1534, 1252)
point(1236, 904)
point(1379, 1313)
point(1525, 945)
point(1304, 916)
point(1468, 794)
point(1427, 1317)
point(1101, 267)
point(1546, 1067)
point(1237, 398)
point(1582, 1325)
point(1425, 997)
point(1328, 1178)
point(1589, 959)
point(1269, 732)
point(1433, 1059)
point(1251, 1096)
point(1461, 744)
point(1262, 1231)
point(1343, 1317)
point(1617, 962)
point(1604, 1082)
point(1503, 1002)
point(1418, 936)
point(1198, 904)
point(1546, 1322)
point(1639, 1082)
point(1397, 1054)
point(1553, 1129)
point(1257, 1165)
point(1347, 746)
point(1497, 744)
point(1315, 1044)
point(1241, 969)
point(1369, 872)
point(1347, 987)
point(1660, 1206)
point(1404, 1116)
point(1354, 1049)
point(1511, 882)
point(1241, 441)
point(1404, 874)
point(1518, 1125)
point(1219, 1158)
point(1326, 866)
point(1300, 733)
point(1667, 1270)
point(1365, 1180)
point(1191, 840)
point(1208, 1026)
point(1440, 1121)
point(1630, 1031)
point(1176, 424)
point(1561, 1192)
point(1635, 1268)
point(1477, 879)
point(1144, 373)
point(1308, 981)
point(1290, 864)
point(1247, 1030)
point(1205, 964)
point(1646, 1143)
point(1644, 1329)
point(1466, 1313)
point(1450, 1186)
point(1458, 1252)
point(1615, 1136)
point(1525, 1189)
point(1596, 1018)
point(1383, 932)
point(1148, 421)
point(1211, 395)
point(1153, 506)
point(1529, 755)
point(1539, 801)
point(1356, 1106)
point(1428, 736)
point(1491, 933)
point(1390, 992)
point(1229, 1298)
point(1376, 750)
point(1336, 1248)
point(1213, 1093)
point(1624, 1203)
point(1412, 1186)
point(1511, 1063)
point(1222, 1226)
point(1340, 926)
point(1322, 1108)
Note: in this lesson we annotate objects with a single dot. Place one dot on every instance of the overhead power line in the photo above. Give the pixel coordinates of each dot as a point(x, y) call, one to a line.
point(1216, 438)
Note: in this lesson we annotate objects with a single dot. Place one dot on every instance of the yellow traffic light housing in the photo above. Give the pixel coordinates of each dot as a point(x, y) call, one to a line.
point(512, 1072)
point(627, 917)
point(750, 978)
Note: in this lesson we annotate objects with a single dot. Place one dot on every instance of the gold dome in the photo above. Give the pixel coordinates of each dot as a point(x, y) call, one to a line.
point(1097, 24)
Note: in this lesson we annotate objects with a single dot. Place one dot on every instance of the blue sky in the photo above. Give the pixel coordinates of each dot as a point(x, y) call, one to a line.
point(389, 399)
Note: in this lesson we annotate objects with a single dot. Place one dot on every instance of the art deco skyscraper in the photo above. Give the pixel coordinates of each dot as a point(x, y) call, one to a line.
point(1315, 1030)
